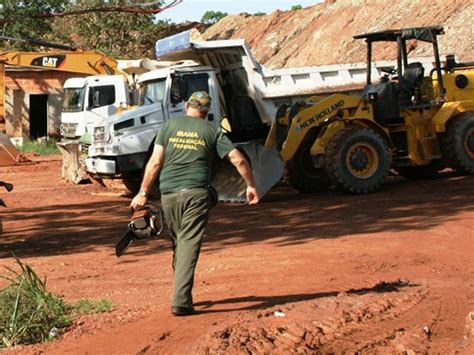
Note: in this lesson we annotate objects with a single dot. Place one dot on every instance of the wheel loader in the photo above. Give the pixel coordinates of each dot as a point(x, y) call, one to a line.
point(412, 122)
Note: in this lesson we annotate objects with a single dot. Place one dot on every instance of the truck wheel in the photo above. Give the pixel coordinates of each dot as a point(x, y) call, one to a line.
point(421, 172)
point(457, 144)
point(357, 160)
point(132, 184)
point(301, 173)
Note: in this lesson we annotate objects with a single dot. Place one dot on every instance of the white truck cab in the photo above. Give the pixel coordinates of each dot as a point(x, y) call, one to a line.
point(87, 100)
point(121, 143)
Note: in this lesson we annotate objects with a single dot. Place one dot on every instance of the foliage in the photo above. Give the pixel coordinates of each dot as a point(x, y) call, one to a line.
point(40, 147)
point(296, 7)
point(28, 311)
point(30, 314)
point(211, 17)
point(259, 14)
point(88, 306)
point(32, 28)
point(120, 35)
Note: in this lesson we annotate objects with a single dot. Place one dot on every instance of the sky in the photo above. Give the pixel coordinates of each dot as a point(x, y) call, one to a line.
point(192, 10)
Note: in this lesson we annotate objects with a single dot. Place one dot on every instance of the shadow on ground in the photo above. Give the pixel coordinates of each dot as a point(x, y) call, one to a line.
point(284, 217)
point(264, 302)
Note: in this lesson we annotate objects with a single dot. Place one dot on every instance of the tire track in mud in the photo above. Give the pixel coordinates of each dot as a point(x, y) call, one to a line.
point(383, 316)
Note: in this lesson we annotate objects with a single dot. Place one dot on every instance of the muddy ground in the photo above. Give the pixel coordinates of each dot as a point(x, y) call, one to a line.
point(390, 272)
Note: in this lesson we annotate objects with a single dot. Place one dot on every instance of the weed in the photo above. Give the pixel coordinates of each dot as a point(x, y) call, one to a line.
point(88, 306)
point(27, 310)
point(40, 147)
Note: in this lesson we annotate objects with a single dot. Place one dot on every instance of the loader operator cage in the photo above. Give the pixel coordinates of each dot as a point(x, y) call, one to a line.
point(401, 36)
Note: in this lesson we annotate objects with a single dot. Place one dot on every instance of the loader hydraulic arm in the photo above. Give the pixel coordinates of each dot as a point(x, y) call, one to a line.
point(315, 116)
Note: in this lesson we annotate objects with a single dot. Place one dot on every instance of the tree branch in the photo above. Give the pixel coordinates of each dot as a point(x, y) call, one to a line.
point(148, 8)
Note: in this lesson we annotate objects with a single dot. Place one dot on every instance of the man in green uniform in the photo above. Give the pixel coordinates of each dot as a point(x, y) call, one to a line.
point(184, 150)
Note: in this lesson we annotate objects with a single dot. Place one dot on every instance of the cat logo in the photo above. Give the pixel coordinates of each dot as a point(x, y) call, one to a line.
point(50, 61)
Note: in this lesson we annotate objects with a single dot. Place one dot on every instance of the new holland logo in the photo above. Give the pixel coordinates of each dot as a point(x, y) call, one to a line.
point(50, 61)
point(321, 115)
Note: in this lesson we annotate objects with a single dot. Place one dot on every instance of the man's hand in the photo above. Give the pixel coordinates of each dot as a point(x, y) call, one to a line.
point(138, 202)
point(152, 170)
point(252, 195)
point(238, 160)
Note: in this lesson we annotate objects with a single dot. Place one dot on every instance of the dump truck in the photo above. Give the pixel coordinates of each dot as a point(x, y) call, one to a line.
point(89, 99)
point(413, 120)
point(246, 98)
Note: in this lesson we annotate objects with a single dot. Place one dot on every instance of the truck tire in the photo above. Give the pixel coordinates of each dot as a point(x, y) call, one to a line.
point(132, 184)
point(357, 160)
point(457, 144)
point(134, 181)
point(301, 173)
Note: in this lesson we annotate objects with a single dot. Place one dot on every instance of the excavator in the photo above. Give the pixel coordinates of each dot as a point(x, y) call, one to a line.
point(64, 58)
point(411, 122)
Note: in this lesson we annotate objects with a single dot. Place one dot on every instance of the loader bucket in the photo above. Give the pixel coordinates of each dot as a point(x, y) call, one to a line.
point(8, 153)
point(267, 167)
point(73, 167)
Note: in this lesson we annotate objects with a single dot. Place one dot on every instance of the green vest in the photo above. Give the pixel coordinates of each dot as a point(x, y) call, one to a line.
point(190, 146)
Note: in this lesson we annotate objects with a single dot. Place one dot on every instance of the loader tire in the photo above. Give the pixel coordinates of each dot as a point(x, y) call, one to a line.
point(457, 144)
point(357, 160)
point(301, 173)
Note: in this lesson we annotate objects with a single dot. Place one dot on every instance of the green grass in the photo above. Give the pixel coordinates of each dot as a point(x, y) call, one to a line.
point(28, 312)
point(39, 147)
point(88, 306)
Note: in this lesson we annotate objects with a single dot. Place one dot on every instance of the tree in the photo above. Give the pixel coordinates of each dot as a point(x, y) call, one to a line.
point(259, 14)
point(120, 35)
point(128, 33)
point(211, 17)
point(31, 28)
point(296, 7)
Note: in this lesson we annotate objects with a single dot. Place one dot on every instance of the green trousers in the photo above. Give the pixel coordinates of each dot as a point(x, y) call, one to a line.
point(186, 213)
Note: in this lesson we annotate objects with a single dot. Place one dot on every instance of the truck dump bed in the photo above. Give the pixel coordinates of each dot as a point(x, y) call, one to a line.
point(272, 86)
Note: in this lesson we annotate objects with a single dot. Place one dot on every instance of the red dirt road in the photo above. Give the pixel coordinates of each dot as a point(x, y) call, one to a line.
point(390, 272)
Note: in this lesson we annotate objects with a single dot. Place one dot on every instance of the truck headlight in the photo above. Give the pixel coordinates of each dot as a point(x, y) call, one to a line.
point(99, 133)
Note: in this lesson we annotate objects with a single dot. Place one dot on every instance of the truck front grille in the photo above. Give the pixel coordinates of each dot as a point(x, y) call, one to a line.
point(69, 130)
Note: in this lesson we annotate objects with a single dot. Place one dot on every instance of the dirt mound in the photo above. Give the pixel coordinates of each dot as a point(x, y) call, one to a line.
point(331, 324)
point(322, 34)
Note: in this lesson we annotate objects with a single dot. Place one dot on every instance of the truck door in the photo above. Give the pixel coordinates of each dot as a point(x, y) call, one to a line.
point(100, 102)
point(182, 86)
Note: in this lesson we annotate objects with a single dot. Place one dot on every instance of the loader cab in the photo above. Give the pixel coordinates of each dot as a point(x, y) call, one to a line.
point(400, 87)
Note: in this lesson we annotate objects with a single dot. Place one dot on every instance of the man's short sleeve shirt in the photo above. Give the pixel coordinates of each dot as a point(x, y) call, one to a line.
point(190, 146)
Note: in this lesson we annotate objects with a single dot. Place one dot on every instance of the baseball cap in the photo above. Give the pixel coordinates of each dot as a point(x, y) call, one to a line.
point(200, 98)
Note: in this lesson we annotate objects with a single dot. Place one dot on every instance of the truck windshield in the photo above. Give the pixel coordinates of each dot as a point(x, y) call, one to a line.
point(152, 92)
point(73, 99)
